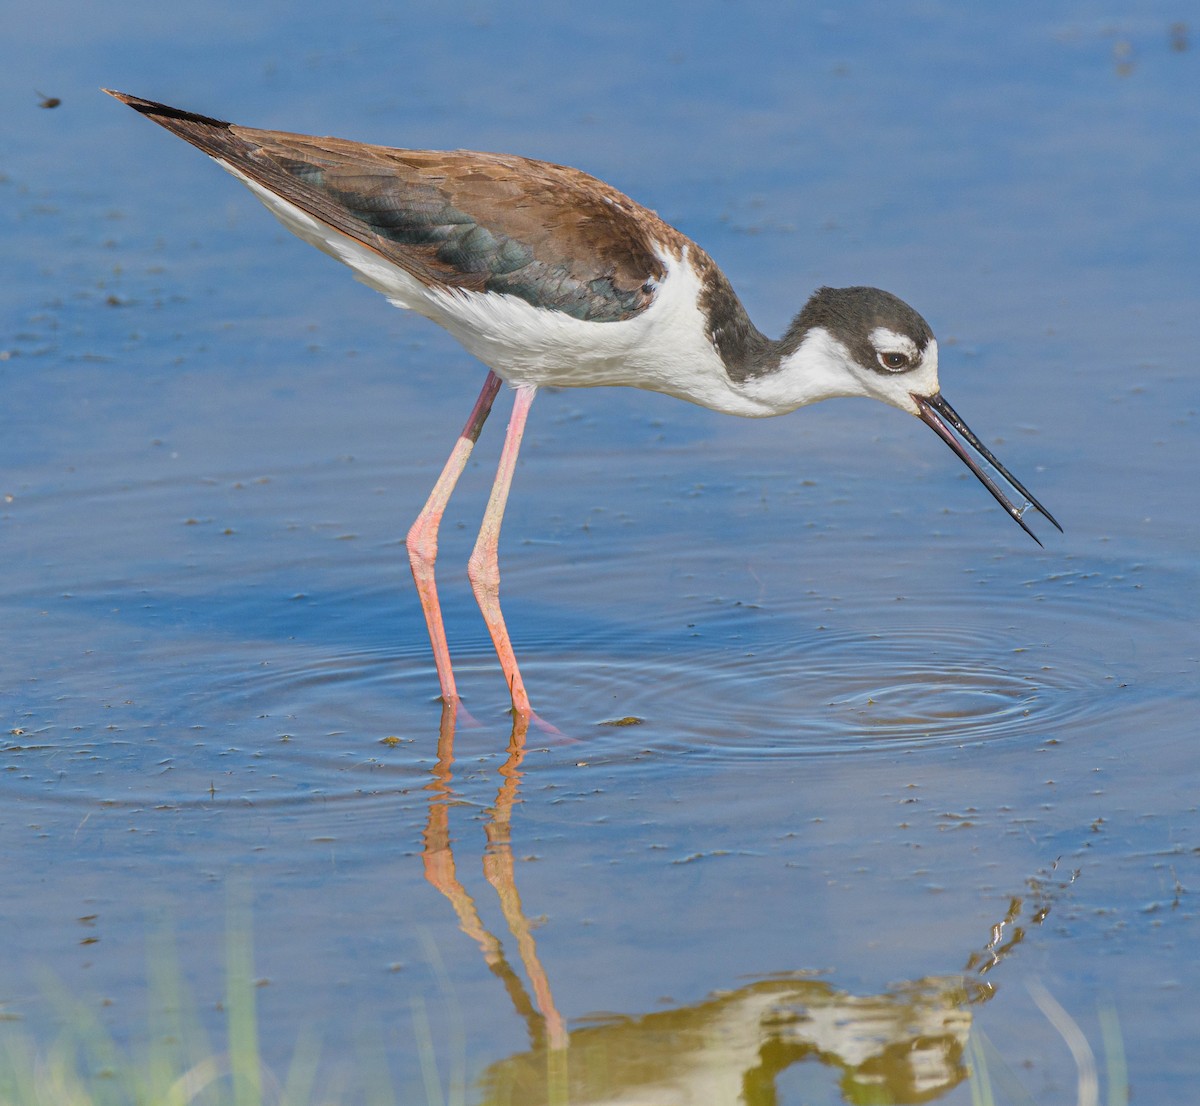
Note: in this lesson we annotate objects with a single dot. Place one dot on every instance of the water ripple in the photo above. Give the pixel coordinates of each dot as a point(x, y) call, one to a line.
point(839, 693)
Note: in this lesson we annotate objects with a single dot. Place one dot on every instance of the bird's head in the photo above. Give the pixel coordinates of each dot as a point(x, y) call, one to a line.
point(867, 342)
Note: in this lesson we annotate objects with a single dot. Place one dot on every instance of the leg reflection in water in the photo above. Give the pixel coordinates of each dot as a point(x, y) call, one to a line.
point(545, 1025)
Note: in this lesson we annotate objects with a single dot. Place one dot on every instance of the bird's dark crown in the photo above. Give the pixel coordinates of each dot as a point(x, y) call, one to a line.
point(851, 315)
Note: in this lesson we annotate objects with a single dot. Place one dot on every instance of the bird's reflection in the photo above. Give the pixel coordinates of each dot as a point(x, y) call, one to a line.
point(904, 1045)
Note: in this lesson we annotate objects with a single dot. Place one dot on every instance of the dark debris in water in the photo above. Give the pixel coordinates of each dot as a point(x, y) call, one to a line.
point(628, 720)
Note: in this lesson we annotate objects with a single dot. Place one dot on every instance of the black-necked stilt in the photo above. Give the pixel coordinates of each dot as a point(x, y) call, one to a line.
point(550, 276)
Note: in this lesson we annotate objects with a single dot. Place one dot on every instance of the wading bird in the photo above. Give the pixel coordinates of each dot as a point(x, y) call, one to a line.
point(552, 277)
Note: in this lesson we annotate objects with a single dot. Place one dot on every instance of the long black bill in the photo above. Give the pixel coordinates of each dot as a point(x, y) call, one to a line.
point(930, 408)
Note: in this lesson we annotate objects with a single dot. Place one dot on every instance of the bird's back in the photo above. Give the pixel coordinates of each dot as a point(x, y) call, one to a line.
point(551, 235)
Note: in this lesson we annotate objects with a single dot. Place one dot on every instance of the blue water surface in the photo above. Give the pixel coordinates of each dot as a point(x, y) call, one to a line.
point(886, 768)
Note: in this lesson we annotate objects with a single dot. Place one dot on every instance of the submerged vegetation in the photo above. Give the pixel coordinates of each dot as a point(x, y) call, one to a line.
point(177, 1063)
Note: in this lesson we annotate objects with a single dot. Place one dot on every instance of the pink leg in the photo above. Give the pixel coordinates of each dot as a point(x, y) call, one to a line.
point(423, 535)
point(484, 567)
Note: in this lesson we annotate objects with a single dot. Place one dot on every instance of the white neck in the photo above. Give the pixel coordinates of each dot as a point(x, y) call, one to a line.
point(819, 369)
point(823, 368)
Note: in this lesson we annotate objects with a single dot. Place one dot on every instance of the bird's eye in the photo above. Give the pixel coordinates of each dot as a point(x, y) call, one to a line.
point(893, 361)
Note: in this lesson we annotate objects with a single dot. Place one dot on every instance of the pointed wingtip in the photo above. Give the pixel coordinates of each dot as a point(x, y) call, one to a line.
point(164, 113)
point(146, 107)
point(126, 98)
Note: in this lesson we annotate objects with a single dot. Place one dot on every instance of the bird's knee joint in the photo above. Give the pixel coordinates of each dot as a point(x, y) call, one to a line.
point(422, 546)
point(484, 574)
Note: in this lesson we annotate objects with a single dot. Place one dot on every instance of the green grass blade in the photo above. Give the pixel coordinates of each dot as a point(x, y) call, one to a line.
point(239, 1002)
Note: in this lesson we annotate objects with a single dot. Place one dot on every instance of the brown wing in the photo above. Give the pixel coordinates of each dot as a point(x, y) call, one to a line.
point(554, 236)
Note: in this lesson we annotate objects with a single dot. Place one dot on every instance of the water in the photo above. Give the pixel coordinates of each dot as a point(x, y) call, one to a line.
point(884, 763)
